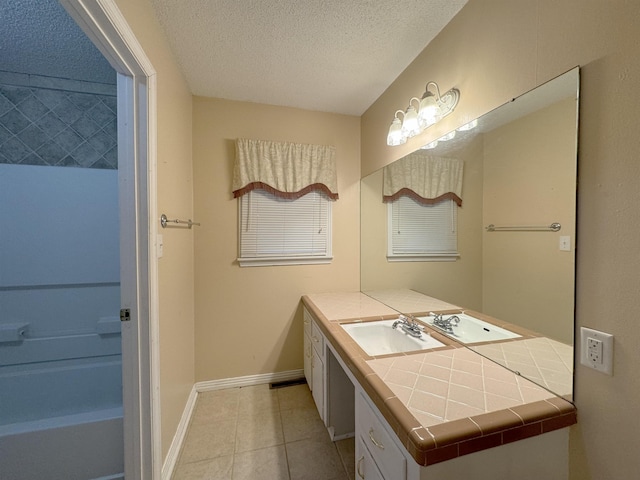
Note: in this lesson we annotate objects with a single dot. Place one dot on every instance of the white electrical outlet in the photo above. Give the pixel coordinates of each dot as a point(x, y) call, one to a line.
point(565, 243)
point(596, 350)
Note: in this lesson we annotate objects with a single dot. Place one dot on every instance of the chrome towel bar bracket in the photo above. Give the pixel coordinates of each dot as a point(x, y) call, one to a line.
point(164, 220)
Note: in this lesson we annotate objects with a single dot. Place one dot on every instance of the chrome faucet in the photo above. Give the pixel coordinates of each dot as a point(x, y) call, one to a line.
point(409, 325)
point(445, 324)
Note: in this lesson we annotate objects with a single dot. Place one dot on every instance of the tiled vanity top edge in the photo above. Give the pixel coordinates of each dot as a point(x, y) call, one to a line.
point(438, 443)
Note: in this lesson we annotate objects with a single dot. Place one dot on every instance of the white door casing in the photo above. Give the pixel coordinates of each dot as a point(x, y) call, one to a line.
point(104, 24)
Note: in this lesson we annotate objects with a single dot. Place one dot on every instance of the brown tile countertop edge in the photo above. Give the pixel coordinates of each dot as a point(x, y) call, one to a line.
point(434, 444)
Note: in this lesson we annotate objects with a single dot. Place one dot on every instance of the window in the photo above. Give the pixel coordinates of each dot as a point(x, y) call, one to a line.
point(418, 232)
point(276, 231)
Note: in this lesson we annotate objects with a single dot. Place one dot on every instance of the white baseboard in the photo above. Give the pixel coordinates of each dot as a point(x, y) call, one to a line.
point(174, 450)
point(249, 380)
point(171, 459)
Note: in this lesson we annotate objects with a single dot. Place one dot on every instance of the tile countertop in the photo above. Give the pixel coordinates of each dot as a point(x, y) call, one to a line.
point(441, 403)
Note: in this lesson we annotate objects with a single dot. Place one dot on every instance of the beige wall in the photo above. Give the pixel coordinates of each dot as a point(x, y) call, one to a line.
point(175, 186)
point(530, 179)
point(248, 320)
point(494, 50)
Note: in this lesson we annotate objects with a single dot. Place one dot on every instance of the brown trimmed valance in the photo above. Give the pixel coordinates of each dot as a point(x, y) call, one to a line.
point(425, 178)
point(287, 170)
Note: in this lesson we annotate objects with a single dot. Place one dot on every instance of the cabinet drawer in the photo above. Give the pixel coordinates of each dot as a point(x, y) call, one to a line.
point(387, 456)
point(317, 340)
point(365, 466)
point(307, 321)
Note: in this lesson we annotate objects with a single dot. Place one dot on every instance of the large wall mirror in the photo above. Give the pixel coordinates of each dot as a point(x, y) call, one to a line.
point(519, 176)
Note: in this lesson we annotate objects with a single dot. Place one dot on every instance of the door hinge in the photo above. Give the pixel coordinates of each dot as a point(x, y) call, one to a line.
point(125, 314)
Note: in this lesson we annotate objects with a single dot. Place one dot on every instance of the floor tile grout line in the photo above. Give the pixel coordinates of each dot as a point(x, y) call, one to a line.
point(284, 439)
point(235, 437)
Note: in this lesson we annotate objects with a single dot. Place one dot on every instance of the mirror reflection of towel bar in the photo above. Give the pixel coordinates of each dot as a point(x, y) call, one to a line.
point(164, 220)
point(554, 227)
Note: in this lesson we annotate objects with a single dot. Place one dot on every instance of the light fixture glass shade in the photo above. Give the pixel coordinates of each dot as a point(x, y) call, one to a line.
point(447, 136)
point(395, 136)
point(468, 126)
point(410, 126)
point(430, 145)
point(429, 111)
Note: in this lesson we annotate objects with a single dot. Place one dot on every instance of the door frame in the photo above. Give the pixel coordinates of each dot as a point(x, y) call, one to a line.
point(106, 27)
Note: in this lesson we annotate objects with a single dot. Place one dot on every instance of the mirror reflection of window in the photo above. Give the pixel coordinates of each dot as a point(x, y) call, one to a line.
point(418, 232)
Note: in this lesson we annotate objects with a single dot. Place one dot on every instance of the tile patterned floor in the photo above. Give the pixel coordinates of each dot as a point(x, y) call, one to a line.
point(260, 433)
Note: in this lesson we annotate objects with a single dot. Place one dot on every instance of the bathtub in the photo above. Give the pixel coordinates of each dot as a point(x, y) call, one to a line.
point(81, 446)
point(61, 413)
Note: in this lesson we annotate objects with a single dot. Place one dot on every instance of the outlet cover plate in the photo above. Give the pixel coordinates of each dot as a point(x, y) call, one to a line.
point(606, 365)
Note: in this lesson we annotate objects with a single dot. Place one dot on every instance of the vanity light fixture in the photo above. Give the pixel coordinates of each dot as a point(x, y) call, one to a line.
point(431, 109)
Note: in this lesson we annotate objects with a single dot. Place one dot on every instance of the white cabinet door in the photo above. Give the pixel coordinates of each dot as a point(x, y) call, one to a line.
point(365, 466)
point(317, 381)
point(308, 357)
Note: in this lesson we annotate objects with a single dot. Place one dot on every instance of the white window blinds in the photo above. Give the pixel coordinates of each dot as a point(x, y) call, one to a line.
point(277, 231)
point(418, 232)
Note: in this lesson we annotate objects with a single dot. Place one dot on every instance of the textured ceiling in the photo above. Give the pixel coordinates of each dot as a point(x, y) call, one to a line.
point(328, 55)
point(39, 37)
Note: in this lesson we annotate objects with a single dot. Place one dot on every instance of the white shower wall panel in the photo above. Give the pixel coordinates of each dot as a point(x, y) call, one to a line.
point(61, 227)
point(60, 311)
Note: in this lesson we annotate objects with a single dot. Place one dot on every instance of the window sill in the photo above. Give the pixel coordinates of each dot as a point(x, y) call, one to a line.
point(276, 261)
point(423, 258)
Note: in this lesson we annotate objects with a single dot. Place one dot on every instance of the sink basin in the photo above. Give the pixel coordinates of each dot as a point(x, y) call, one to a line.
point(379, 338)
point(473, 330)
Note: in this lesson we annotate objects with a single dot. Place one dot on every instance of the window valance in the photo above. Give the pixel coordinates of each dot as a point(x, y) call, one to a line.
point(425, 178)
point(287, 170)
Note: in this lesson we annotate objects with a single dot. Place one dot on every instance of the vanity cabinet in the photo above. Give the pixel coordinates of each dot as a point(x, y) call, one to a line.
point(308, 349)
point(314, 362)
point(346, 393)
